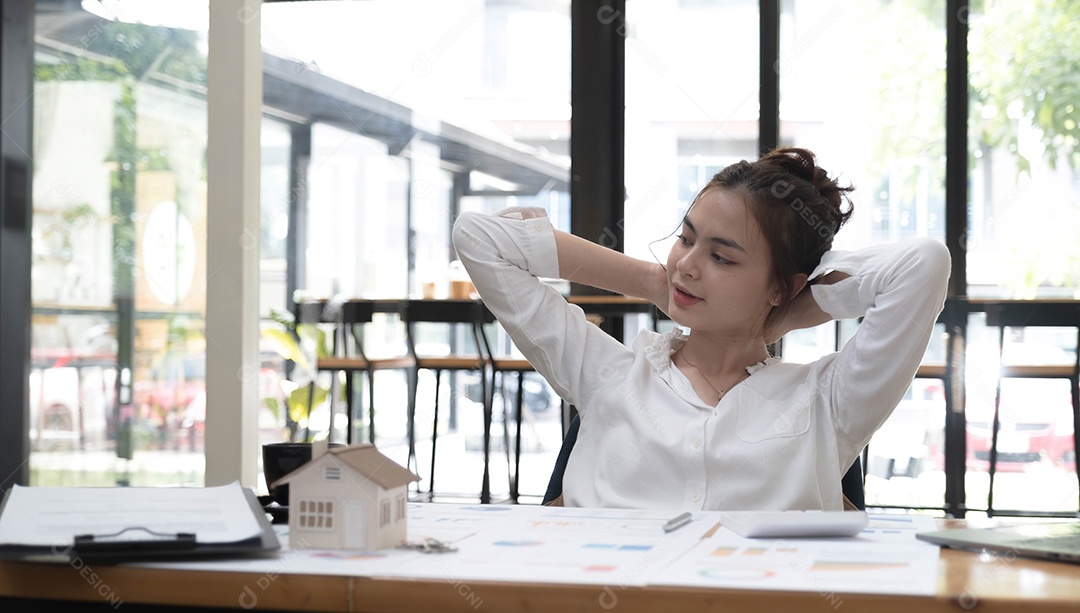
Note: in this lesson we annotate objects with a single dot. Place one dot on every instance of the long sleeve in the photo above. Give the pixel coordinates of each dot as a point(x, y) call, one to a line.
point(505, 256)
point(899, 290)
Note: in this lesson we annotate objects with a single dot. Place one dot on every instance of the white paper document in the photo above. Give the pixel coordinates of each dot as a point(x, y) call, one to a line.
point(885, 558)
point(53, 516)
point(614, 547)
point(617, 548)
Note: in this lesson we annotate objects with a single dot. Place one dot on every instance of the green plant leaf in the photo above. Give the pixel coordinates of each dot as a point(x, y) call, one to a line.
point(286, 345)
point(299, 409)
point(274, 405)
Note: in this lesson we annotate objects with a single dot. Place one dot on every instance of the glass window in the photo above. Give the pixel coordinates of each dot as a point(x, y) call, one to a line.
point(1035, 465)
point(1025, 148)
point(464, 109)
point(691, 108)
point(276, 198)
point(1020, 242)
point(119, 244)
point(357, 212)
point(862, 85)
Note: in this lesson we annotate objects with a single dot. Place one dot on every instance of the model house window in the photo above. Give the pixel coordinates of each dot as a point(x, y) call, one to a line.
point(316, 515)
point(331, 473)
point(400, 507)
point(384, 514)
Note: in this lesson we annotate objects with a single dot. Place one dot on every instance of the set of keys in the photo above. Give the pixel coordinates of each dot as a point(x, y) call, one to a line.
point(429, 545)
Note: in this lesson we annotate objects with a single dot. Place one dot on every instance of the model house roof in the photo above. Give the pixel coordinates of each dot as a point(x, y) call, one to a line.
point(365, 460)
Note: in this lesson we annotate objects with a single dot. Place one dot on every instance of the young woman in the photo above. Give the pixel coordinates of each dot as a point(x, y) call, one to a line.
point(709, 420)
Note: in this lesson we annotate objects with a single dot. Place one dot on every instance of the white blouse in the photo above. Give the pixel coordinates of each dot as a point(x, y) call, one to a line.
point(780, 439)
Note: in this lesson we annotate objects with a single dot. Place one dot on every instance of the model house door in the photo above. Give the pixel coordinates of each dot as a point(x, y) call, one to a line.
point(355, 528)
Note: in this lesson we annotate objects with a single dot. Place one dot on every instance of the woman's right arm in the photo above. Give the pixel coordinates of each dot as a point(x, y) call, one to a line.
point(506, 255)
point(588, 263)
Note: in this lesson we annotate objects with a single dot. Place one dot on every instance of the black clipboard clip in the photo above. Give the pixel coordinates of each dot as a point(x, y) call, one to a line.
point(123, 543)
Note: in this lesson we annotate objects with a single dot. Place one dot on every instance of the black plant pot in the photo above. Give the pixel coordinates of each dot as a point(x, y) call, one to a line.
point(280, 459)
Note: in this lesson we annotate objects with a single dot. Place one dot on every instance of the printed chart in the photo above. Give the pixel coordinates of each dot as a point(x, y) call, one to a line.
point(883, 558)
point(613, 549)
point(595, 546)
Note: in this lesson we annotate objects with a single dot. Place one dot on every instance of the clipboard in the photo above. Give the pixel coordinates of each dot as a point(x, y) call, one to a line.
point(140, 544)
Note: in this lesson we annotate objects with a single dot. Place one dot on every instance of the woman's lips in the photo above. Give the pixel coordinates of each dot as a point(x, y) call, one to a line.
point(683, 298)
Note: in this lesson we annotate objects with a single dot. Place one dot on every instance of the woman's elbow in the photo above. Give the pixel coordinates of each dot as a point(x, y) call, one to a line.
point(464, 232)
point(933, 258)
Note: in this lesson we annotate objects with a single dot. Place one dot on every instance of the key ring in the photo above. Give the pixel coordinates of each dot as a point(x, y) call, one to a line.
point(429, 545)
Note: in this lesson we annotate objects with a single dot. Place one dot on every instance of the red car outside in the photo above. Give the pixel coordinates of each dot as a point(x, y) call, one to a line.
point(1035, 427)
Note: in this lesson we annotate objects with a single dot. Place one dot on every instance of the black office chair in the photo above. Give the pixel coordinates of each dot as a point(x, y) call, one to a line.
point(554, 488)
point(851, 484)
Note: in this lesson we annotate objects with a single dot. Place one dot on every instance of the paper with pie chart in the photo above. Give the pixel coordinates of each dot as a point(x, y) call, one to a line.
point(885, 558)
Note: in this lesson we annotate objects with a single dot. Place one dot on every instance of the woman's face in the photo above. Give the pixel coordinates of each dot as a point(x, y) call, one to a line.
point(718, 270)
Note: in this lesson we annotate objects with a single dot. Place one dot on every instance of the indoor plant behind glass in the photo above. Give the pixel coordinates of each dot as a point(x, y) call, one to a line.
point(300, 345)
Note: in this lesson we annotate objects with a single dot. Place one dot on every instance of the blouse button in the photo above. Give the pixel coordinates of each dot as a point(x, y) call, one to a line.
point(696, 497)
point(696, 443)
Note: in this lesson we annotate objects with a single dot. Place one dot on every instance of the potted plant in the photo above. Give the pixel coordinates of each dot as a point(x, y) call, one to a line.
point(301, 345)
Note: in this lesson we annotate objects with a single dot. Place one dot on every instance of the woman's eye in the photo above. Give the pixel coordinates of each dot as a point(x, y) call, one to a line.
point(719, 259)
point(682, 239)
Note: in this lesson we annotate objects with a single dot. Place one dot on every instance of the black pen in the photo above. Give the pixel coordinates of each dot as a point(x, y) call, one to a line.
point(678, 522)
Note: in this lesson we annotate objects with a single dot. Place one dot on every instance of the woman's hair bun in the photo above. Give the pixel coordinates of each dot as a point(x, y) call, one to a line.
point(802, 164)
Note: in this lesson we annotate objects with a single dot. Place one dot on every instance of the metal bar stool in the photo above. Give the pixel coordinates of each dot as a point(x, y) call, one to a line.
point(349, 358)
point(502, 366)
point(471, 315)
point(1020, 314)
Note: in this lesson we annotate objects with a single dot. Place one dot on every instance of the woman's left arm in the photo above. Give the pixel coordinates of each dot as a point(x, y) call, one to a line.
point(899, 290)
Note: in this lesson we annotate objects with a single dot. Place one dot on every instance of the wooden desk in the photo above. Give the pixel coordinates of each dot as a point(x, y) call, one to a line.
point(967, 581)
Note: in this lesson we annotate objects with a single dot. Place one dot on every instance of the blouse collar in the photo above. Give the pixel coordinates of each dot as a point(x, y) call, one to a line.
point(660, 347)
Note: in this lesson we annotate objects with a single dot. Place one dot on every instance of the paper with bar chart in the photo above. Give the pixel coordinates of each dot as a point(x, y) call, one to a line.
point(590, 546)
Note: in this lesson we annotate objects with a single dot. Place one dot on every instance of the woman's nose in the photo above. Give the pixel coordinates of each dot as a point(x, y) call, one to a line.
point(687, 264)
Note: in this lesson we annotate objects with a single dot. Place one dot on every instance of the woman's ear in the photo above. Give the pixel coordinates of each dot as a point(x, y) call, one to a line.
point(799, 285)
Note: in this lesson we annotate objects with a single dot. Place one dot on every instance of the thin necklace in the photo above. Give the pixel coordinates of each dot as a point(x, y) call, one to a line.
point(719, 392)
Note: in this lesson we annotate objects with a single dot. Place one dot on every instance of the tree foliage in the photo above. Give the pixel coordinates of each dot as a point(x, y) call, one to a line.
point(1025, 67)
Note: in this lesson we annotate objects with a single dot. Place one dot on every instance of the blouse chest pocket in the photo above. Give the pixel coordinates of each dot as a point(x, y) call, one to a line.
point(762, 419)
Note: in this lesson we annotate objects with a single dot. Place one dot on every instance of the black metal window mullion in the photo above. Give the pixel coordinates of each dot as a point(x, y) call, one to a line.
point(16, 172)
point(956, 227)
point(598, 128)
point(769, 76)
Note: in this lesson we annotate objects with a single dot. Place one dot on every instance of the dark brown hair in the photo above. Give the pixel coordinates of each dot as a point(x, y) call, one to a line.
point(798, 208)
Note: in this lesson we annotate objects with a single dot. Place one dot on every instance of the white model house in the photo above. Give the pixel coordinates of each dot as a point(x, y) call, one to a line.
point(348, 498)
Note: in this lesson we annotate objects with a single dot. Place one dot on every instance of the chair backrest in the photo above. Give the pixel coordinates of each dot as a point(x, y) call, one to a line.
point(444, 311)
point(466, 312)
point(334, 311)
point(554, 488)
point(851, 484)
point(346, 316)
